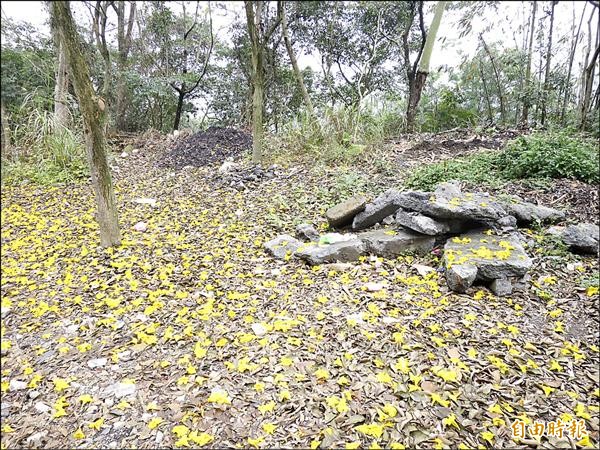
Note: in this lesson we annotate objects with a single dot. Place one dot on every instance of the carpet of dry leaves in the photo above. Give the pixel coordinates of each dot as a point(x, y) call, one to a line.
point(189, 335)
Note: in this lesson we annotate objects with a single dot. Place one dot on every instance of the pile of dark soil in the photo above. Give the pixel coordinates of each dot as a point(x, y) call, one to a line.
point(207, 147)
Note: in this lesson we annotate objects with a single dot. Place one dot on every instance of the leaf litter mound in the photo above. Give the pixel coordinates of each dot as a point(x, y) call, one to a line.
point(207, 147)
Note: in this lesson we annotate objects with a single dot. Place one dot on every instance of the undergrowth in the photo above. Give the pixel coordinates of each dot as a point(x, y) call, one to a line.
point(43, 151)
point(538, 156)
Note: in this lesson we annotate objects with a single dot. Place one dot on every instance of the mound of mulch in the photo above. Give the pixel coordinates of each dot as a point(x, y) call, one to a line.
point(207, 147)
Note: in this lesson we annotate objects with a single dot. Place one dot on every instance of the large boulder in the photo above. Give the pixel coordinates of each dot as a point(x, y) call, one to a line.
point(494, 256)
point(426, 225)
point(582, 238)
point(282, 246)
point(345, 251)
point(392, 243)
point(528, 212)
point(343, 213)
point(383, 206)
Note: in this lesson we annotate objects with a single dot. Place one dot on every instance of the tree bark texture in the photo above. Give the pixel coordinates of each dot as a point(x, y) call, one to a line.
point(93, 113)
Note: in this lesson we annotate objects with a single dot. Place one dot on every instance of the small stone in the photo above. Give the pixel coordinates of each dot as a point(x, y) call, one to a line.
point(5, 409)
point(461, 277)
point(307, 232)
point(383, 206)
point(16, 385)
point(423, 270)
point(507, 222)
point(343, 213)
point(282, 246)
point(145, 201)
point(33, 394)
point(42, 408)
point(159, 437)
point(71, 329)
point(327, 253)
point(334, 238)
point(228, 166)
point(122, 389)
point(582, 238)
point(98, 362)
point(374, 287)
point(501, 287)
point(36, 439)
point(259, 329)
point(124, 155)
point(140, 226)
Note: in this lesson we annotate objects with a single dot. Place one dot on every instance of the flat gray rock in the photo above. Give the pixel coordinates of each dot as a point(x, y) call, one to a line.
point(461, 277)
point(392, 243)
point(345, 251)
point(528, 212)
point(384, 205)
point(494, 256)
point(343, 213)
point(281, 245)
point(582, 238)
point(426, 225)
point(467, 207)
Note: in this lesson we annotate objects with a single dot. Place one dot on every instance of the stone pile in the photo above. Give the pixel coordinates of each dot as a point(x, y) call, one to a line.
point(485, 248)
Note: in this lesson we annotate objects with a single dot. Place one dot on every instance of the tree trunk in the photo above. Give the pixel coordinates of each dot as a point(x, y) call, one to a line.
point(548, 58)
point(501, 95)
point(294, 61)
point(5, 137)
point(414, 96)
point(179, 110)
point(61, 88)
point(526, 97)
point(487, 95)
point(416, 86)
point(588, 76)
point(257, 76)
point(93, 112)
point(124, 30)
point(571, 58)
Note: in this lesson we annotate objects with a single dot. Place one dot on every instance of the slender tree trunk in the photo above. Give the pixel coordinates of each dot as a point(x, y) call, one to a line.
point(93, 113)
point(416, 89)
point(571, 58)
point(527, 94)
point(253, 19)
point(179, 109)
point(588, 76)
point(294, 61)
point(61, 88)
point(501, 95)
point(487, 95)
point(548, 58)
point(5, 137)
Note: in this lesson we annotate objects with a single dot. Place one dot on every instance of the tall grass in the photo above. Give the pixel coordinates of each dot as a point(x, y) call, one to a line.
point(337, 135)
point(41, 150)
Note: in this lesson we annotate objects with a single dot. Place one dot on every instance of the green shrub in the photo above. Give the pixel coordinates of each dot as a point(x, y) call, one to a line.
point(43, 151)
point(539, 156)
point(551, 155)
point(479, 169)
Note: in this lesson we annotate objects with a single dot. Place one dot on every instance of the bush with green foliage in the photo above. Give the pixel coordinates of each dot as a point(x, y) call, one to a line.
point(540, 155)
point(551, 155)
point(43, 151)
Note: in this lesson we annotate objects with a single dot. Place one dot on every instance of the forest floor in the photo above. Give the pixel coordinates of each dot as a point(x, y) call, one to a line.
point(190, 335)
